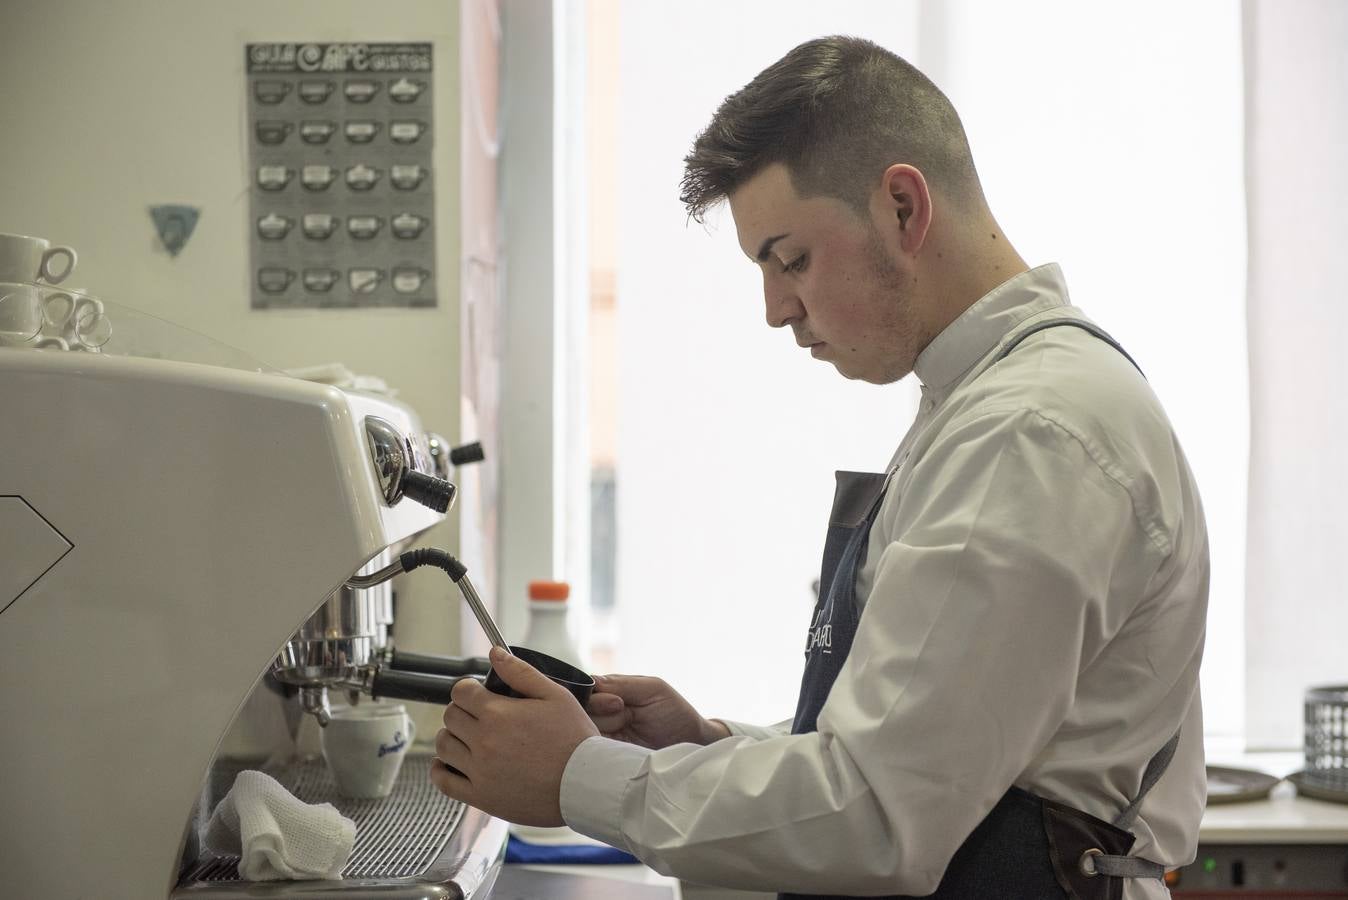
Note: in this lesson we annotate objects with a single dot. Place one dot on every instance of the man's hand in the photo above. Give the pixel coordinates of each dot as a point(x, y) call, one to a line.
point(511, 752)
point(648, 712)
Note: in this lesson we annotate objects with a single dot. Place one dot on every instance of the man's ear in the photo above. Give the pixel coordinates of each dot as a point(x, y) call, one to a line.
point(905, 210)
point(906, 203)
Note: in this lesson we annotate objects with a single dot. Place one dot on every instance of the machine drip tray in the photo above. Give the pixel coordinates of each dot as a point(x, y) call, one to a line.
point(414, 838)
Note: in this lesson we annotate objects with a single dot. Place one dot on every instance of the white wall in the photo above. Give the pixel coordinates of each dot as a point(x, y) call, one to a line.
point(109, 108)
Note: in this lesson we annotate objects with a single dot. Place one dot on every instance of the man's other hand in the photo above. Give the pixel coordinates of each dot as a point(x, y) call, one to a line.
point(648, 712)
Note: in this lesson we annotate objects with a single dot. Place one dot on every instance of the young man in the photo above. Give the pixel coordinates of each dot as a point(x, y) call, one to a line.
point(1000, 696)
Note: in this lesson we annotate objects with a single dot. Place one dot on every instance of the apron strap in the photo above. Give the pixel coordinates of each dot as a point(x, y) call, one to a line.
point(1100, 863)
point(1121, 866)
point(1074, 323)
point(1156, 767)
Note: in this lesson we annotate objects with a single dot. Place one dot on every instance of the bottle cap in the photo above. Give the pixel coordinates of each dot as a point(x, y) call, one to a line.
point(549, 590)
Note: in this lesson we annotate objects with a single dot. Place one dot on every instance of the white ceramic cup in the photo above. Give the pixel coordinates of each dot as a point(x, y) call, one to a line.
point(77, 317)
point(24, 258)
point(20, 314)
point(364, 746)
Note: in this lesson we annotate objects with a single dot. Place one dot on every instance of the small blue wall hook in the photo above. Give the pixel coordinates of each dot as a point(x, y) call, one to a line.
point(175, 224)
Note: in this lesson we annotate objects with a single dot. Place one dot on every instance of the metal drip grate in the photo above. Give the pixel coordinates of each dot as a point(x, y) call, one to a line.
point(398, 836)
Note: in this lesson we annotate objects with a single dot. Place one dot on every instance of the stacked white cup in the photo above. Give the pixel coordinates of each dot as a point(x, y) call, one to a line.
point(74, 320)
point(34, 310)
point(25, 260)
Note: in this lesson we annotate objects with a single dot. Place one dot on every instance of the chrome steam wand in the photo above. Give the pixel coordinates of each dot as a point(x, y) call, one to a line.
point(452, 567)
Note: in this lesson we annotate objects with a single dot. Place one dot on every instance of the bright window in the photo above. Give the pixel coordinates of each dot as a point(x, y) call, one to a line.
point(1108, 139)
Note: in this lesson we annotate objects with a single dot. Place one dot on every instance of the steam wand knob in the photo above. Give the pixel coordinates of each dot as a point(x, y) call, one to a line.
point(468, 453)
point(428, 490)
point(395, 467)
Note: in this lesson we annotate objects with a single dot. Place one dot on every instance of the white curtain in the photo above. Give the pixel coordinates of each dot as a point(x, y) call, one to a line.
point(1109, 138)
point(1296, 130)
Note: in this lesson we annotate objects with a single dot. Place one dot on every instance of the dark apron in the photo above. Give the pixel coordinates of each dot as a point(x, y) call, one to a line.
point(1028, 847)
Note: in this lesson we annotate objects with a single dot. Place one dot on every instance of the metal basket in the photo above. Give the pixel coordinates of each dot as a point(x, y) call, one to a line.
point(1327, 738)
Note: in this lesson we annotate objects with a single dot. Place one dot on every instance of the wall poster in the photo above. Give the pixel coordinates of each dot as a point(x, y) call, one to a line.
point(342, 195)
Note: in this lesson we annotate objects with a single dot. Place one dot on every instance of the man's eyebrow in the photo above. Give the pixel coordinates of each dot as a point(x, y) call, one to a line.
point(767, 246)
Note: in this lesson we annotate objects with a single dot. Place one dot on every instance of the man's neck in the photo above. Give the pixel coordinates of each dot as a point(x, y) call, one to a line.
point(973, 265)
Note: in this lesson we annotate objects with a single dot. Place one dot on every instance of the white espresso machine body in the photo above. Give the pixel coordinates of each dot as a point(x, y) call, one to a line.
point(164, 528)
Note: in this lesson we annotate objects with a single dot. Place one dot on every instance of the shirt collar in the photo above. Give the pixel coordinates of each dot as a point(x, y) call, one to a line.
point(982, 326)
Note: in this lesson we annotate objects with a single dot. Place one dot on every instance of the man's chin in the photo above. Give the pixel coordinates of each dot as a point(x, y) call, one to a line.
point(849, 374)
point(877, 378)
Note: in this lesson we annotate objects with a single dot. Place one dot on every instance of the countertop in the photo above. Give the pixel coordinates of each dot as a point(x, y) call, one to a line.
point(577, 882)
point(1283, 817)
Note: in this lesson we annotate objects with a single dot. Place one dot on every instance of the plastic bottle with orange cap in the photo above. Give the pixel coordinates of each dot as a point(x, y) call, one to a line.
point(549, 630)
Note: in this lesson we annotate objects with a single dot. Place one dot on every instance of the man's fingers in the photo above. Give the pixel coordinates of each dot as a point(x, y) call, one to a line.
point(633, 689)
point(521, 676)
point(460, 722)
point(609, 725)
point(449, 749)
point(451, 784)
point(468, 694)
point(604, 704)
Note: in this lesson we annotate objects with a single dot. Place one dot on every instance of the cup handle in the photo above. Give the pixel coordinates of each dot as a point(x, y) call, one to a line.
point(58, 308)
point(44, 270)
point(411, 732)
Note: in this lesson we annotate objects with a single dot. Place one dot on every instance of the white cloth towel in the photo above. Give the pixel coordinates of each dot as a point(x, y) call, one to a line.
point(277, 836)
point(340, 376)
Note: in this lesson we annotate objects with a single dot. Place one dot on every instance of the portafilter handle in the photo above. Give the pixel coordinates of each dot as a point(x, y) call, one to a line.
point(417, 686)
point(427, 664)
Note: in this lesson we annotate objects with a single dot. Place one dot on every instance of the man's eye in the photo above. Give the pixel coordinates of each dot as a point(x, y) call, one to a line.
point(796, 265)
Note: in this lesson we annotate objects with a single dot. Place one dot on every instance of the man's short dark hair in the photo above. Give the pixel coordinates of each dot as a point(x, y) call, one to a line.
point(837, 111)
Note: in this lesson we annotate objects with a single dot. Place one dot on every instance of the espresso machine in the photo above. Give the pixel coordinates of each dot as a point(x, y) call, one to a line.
point(188, 538)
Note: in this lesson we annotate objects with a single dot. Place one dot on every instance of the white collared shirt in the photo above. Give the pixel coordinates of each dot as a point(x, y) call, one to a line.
point(1034, 600)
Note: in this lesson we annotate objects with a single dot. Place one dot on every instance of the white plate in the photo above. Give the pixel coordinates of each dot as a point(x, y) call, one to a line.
point(1228, 785)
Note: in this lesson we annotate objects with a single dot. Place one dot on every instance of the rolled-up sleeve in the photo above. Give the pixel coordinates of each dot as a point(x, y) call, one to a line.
point(992, 590)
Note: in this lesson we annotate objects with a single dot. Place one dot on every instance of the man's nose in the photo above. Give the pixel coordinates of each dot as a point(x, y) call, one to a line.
point(781, 302)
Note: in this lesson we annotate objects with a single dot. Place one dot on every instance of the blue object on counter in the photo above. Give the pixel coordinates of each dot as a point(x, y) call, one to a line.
point(518, 851)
